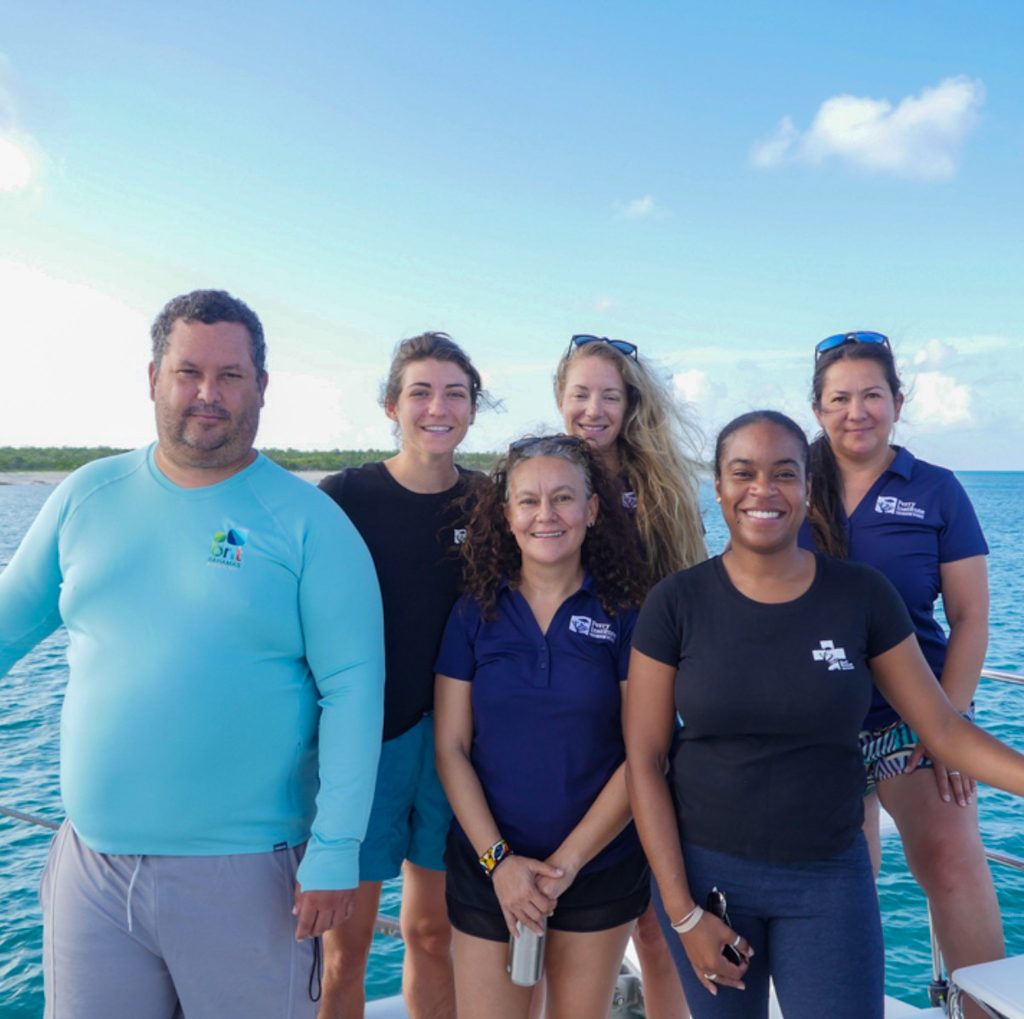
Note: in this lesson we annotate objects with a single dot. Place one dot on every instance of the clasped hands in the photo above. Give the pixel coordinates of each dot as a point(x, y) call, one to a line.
point(528, 890)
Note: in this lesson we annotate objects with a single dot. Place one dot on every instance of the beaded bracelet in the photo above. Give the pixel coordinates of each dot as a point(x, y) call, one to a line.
point(689, 921)
point(490, 858)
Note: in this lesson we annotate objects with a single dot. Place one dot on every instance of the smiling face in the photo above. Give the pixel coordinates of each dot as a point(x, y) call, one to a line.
point(548, 510)
point(594, 402)
point(208, 396)
point(434, 407)
point(762, 485)
point(857, 410)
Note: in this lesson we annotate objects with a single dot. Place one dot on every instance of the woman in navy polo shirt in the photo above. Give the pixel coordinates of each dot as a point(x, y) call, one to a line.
point(769, 651)
point(611, 398)
point(875, 503)
point(529, 735)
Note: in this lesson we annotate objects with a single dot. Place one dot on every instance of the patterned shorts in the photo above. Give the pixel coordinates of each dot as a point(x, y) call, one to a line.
point(887, 750)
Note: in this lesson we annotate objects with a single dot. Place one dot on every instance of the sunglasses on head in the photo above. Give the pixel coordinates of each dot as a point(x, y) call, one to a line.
point(624, 347)
point(841, 339)
point(566, 441)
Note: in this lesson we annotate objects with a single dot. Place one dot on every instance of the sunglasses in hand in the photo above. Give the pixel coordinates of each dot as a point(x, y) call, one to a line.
point(716, 905)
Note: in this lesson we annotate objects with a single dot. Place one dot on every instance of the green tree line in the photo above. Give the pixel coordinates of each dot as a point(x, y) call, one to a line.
point(67, 458)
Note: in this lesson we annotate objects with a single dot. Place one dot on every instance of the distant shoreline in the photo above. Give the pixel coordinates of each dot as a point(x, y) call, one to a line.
point(32, 477)
point(56, 477)
point(50, 464)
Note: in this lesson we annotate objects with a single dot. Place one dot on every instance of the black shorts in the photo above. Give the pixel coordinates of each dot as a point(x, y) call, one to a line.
point(596, 901)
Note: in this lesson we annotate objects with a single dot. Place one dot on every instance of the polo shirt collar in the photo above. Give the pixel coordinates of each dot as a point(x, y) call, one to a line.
point(903, 464)
point(587, 585)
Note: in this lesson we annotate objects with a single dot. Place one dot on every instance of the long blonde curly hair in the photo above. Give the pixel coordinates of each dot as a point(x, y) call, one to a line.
point(659, 450)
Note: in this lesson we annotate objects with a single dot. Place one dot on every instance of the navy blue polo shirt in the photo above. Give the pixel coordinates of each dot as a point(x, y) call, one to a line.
point(547, 713)
point(913, 519)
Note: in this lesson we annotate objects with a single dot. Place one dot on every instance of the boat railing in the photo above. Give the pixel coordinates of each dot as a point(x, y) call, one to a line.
point(940, 992)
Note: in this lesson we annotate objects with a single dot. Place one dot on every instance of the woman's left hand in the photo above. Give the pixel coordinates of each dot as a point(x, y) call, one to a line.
point(952, 785)
point(553, 887)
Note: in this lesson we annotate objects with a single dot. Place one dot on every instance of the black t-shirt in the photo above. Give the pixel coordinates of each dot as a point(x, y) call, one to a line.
point(413, 538)
point(772, 698)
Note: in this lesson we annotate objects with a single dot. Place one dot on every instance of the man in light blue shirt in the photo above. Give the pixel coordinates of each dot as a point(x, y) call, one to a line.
point(222, 720)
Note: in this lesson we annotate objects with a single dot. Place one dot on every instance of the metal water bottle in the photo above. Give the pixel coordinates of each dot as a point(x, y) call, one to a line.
point(526, 955)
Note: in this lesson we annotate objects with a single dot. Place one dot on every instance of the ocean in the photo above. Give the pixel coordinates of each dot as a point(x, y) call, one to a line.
point(32, 692)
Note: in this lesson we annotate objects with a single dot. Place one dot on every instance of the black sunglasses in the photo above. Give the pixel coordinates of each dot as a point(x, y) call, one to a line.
point(624, 347)
point(841, 339)
point(566, 441)
point(716, 906)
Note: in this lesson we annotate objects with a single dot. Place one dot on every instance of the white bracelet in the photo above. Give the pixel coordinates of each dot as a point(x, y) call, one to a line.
point(689, 921)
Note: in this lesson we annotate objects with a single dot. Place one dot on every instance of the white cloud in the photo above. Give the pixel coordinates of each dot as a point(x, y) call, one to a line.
point(15, 166)
point(74, 373)
point(74, 364)
point(325, 411)
point(20, 154)
point(775, 150)
point(642, 208)
point(920, 137)
point(935, 353)
point(939, 401)
point(692, 385)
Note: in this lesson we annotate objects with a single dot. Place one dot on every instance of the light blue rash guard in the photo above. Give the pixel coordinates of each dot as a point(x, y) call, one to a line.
point(226, 662)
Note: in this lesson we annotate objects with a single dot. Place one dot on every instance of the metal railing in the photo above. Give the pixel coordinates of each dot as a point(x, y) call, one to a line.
point(939, 991)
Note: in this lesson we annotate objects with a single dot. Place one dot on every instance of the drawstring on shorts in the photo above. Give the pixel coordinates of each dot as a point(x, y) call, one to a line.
point(128, 897)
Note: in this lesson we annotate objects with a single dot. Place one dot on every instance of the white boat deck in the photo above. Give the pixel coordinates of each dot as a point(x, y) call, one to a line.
point(1000, 985)
point(393, 1008)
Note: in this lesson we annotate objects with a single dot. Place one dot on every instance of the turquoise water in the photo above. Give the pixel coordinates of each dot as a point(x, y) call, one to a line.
point(28, 771)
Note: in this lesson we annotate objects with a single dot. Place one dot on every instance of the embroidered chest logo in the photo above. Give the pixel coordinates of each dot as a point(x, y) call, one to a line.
point(629, 500)
point(892, 506)
point(588, 627)
point(835, 656)
point(227, 547)
point(459, 535)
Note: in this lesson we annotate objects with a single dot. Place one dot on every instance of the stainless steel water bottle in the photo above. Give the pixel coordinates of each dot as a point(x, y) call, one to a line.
point(526, 955)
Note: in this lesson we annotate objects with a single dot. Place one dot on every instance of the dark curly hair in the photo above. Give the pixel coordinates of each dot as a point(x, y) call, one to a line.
point(610, 552)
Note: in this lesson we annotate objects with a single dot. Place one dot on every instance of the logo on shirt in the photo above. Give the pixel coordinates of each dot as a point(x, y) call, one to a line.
point(459, 535)
point(897, 507)
point(226, 547)
point(835, 656)
point(588, 627)
point(629, 500)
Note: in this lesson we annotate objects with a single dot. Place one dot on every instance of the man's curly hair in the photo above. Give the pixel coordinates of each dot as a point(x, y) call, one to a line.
point(610, 552)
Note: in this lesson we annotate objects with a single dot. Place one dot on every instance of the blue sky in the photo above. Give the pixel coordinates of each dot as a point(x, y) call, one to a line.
point(724, 185)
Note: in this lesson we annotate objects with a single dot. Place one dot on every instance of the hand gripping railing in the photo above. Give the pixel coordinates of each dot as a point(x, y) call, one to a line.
point(939, 990)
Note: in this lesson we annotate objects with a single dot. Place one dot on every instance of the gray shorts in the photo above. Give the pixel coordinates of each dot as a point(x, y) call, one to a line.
point(160, 937)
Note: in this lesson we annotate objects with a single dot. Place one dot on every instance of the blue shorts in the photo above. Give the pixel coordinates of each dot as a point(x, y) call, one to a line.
point(887, 750)
point(410, 814)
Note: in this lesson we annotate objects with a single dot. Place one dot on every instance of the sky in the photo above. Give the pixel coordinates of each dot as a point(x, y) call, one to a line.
point(723, 185)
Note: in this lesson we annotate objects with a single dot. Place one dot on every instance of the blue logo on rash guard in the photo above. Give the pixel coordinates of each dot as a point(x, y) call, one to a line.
point(226, 547)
